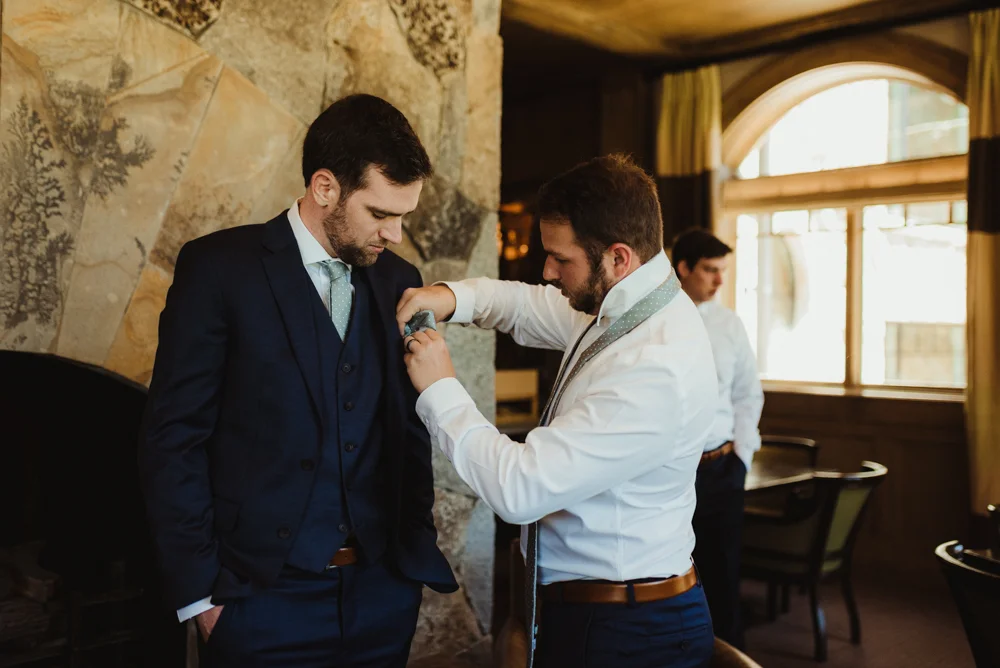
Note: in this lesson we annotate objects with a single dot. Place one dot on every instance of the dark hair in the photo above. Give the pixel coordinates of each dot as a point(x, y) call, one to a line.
point(606, 200)
point(358, 131)
point(695, 245)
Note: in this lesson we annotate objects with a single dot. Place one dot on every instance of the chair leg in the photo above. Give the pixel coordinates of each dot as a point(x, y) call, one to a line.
point(852, 606)
point(819, 623)
point(786, 598)
point(772, 601)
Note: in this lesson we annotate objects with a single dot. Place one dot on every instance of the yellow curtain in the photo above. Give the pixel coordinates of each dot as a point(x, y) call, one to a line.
point(688, 148)
point(983, 396)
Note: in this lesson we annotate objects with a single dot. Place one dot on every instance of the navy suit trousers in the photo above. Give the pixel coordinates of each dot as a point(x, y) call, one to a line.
point(353, 616)
point(718, 530)
point(675, 632)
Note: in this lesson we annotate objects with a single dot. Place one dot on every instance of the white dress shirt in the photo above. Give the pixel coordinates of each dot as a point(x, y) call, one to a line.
point(611, 478)
point(741, 397)
point(313, 255)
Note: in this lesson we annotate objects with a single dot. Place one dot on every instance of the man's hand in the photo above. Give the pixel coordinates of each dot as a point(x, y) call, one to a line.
point(437, 298)
point(427, 358)
point(206, 621)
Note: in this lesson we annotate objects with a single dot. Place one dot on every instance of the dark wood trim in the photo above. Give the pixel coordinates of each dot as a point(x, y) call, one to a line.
point(840, 24)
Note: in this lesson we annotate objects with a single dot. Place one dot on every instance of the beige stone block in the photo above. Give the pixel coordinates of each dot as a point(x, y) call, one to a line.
point(74, 39)
point(134, 349)
point(486, 15)
point(481, 162)
point(280, 46)
point(147, 48)
point(237, 153)
point(454, 122)
point(118, 230)
point(286, 187)
point(381, 64)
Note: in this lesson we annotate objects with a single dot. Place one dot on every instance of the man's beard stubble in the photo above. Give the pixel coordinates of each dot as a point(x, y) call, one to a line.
point(335, 227)
point(591, 296)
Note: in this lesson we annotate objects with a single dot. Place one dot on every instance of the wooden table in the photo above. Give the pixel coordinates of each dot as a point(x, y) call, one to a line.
point(769, 475)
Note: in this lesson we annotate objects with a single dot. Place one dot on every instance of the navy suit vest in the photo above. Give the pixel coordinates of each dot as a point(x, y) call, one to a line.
point(347, 497)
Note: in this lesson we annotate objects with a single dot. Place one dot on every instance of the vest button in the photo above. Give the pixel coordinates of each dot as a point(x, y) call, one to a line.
point(308, 465)
point(347, 368)
point(349, 406)
point(342, 528)
point(350, 447)
point(284, 532)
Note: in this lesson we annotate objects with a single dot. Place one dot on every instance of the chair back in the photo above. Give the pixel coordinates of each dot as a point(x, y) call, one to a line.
point(849, 494)
point(977, 595)
point(725, 655)
point(788, 449)
point(994, 513)
point(816, 532)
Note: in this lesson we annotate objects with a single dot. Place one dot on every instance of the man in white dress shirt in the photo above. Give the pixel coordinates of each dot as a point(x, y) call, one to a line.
point(610, 474)
point(701, 260)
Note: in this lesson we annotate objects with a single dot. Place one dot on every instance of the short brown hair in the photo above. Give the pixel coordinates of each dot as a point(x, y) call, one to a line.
point(696, 244)
point(360, 131)
point(607, 200)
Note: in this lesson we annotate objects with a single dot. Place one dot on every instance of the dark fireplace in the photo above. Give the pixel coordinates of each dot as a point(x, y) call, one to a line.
point(78, 584)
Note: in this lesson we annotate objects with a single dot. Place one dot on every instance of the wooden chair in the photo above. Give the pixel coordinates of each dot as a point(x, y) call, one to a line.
point(725, 655)
point(812, 541)
point(976, 591)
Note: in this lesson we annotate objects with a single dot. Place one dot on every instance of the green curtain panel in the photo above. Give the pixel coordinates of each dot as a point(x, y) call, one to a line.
point(688, 149)
point(983, 397)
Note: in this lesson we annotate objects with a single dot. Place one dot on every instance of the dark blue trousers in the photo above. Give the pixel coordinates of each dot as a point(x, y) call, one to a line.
point(358, 615)
point(718, 531)
point(672, 633)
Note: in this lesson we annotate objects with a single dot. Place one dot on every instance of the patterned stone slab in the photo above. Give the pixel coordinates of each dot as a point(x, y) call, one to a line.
point(57, 59)
point(119, 229)
point(191, 17)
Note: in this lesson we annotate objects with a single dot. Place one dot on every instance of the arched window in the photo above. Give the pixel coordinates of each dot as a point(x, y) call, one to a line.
point(850, 231)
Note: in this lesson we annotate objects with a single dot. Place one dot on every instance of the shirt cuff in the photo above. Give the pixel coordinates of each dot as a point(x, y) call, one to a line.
point(465, 302)
point(195, 609)
point(439, 398)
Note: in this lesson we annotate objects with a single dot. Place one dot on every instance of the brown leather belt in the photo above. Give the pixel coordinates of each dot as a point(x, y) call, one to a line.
point(582, 591)
point(720, 451)
point(345, 556)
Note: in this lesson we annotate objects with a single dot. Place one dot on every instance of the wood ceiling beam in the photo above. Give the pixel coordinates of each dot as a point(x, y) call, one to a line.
point(582, 23)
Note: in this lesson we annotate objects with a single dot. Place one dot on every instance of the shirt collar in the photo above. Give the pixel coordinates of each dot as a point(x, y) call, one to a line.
point(310, 249)
point(628, 291)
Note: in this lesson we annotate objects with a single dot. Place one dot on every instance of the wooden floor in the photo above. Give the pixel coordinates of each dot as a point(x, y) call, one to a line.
point(901, 627)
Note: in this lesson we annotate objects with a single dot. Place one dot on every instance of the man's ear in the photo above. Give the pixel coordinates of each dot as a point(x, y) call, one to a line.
point(325, 188)
point(621, 259)
point(682, 269)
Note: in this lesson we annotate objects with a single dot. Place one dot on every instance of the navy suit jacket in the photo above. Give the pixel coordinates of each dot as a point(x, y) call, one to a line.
point(234, 416)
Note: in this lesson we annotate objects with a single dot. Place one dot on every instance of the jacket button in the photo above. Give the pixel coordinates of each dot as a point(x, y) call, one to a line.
point(347, 368)
point(284, 532)
point(342, 528)
point(308, 465)
point(350, 447)
point(684, 645)
point(349, 406)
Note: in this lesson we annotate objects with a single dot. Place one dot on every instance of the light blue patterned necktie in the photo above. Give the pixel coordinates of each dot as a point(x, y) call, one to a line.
point(340, 295)
point(635, 316)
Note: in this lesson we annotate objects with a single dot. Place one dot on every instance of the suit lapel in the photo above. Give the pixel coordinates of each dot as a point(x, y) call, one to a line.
point(293, 292)
point(384, 292)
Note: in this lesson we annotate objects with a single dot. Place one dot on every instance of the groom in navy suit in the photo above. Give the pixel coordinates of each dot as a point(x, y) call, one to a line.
point(287, 477)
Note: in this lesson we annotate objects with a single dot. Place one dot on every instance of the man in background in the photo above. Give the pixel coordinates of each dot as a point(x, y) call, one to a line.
point(701, 260)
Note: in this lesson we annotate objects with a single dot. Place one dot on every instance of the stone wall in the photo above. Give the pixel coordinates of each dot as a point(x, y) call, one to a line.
point(128, 127)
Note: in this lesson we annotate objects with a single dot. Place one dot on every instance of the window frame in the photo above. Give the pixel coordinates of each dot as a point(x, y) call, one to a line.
point(854, 188)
